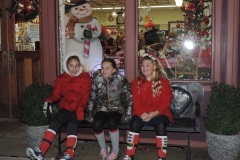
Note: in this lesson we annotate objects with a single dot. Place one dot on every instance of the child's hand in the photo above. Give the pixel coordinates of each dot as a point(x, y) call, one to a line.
point(144, 116)
point(151, 115)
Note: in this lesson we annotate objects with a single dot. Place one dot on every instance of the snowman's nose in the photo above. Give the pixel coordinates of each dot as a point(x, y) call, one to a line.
point(82, 9)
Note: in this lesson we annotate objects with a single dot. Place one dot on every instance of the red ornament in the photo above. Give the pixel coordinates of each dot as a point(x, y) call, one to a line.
point(182, 6)
point(178, 25)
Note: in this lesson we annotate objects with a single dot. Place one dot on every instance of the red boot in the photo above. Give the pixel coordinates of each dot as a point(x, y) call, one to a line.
point(132, 143)
point(161, 142)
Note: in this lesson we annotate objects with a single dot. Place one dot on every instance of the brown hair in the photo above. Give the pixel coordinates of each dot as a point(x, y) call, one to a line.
point(110, 60)
point(71, 58)
point(158, 73)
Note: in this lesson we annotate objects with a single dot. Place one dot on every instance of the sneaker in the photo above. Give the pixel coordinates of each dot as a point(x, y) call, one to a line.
point(128, 158)
point(66, 157)
point(112, 156)
point(35, 154)
point(104, 152)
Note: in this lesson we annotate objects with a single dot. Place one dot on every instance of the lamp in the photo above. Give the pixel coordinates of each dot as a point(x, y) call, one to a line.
point(179, 2)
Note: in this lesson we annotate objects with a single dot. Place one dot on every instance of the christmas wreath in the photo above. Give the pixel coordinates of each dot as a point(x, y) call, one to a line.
point(24, 10)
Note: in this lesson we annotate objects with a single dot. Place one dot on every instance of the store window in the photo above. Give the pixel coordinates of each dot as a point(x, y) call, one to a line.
point(109, 15)
point(24, 20)
point(27, 36)
point(182, 39)
point(177, 26)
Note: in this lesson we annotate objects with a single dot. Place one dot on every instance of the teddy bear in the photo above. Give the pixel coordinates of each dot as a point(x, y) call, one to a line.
point(153, 48)
point(120, 42)
point(172, 46)
point(187, 62)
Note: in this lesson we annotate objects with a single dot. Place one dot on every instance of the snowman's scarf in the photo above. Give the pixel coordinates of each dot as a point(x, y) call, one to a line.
point(73, 20)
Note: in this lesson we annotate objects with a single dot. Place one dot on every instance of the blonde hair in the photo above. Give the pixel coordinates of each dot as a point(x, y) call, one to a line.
point(157, 75)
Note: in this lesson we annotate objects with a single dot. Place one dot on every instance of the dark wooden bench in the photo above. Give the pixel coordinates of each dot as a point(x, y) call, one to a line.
point(181, 124)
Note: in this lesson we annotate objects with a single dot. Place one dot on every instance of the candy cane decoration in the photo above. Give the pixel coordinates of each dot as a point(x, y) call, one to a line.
point(87, 41)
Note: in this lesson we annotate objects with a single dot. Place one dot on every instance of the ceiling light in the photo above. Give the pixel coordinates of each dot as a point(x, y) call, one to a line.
point(142, 7)
point(179, 2)
point(163, 6)
point(107, 8)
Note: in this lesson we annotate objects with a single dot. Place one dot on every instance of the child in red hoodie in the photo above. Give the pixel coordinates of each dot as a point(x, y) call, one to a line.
point(152, 96)
point(72, 90)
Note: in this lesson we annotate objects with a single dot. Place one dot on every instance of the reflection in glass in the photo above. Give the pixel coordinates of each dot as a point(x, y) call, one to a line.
point(184, 39)
point(27, 35)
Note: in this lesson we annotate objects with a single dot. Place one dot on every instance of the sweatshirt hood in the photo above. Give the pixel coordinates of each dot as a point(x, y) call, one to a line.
point(65, 65)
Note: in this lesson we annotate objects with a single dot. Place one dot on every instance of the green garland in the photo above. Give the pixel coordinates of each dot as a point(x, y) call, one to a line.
point(23, 15)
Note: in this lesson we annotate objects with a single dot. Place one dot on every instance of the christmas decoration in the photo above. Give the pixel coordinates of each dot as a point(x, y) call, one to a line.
point(83, 34)
point(178, 25)
point(23, 11)
point(102, 36)
point(194, 13)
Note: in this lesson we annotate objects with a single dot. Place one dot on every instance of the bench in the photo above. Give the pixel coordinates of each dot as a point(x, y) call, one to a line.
point(182, 120)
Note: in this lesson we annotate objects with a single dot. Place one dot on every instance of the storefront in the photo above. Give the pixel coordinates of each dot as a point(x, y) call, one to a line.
point(43, 65)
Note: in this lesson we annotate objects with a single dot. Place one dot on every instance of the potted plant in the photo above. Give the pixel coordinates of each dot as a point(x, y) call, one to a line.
point(31, 113)
point(222, 122)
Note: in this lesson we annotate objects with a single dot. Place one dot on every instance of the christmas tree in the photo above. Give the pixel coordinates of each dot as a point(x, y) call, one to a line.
point(197, 15)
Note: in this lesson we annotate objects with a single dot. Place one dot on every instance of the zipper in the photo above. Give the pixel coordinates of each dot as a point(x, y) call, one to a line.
point(109, 106)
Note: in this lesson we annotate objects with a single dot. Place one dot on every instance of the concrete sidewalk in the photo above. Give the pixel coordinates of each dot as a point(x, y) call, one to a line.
point(13, 145)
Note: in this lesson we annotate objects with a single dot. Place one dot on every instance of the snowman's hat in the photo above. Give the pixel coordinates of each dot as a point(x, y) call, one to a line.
point(73, 3)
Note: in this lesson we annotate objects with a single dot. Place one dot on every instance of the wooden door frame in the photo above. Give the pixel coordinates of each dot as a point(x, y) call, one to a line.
point(49, 41)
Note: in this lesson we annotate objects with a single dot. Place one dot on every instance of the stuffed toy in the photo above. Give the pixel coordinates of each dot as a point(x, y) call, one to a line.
point(120, 42)
point(187, 62)
point(172, 46)
point(153, 48)
point(82, 32)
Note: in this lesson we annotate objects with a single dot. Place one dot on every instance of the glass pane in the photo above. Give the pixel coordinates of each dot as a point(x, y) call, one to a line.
point(27, 35)
point(110, 15)
point(179, 36)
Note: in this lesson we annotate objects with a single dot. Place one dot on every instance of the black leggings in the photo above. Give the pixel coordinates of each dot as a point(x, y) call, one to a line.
point(111, 118)
point(160, 128)
point(65, 116)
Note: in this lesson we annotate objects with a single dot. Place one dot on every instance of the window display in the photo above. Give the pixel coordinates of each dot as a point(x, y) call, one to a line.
point(181, 39)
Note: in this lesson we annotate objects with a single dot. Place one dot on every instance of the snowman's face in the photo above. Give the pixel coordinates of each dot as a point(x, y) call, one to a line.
point(81, 11)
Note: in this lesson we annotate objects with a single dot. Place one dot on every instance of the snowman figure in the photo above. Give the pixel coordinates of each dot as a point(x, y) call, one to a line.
point(82, 32)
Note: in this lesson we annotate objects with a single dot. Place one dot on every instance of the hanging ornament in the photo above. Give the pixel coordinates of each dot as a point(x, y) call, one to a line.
point(182, 7)
point(178, 25)
point(27, 40)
